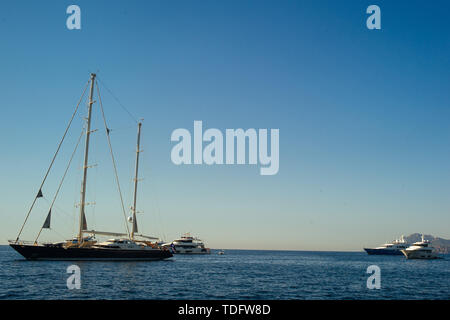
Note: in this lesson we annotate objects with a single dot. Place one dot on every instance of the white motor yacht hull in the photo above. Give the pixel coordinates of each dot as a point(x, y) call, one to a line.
point(420, 254)
point(179, 249)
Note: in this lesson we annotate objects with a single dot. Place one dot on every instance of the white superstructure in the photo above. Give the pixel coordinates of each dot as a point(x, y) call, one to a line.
point(126, 244)
point(397, 244)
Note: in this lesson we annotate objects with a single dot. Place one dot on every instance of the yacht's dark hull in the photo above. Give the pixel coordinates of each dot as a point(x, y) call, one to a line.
point(388, 252)
point(32, 252)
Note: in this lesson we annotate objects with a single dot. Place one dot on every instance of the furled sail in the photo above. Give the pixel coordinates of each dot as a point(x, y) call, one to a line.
point(84, 222)
point(135, 227)
point(47, 220)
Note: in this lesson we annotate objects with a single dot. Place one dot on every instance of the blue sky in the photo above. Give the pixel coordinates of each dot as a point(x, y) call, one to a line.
point(363, 117)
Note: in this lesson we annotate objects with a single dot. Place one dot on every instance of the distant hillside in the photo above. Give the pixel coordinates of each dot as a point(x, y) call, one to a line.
point(441, 245)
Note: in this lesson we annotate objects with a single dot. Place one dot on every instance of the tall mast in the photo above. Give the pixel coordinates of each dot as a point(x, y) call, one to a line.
point(85, 167)
point(135, 227)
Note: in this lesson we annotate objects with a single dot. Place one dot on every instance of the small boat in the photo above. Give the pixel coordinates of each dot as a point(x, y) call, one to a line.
point(188, 245)
point(126, 246)
point(420, 250)
point(392, 248)
point(221, 252)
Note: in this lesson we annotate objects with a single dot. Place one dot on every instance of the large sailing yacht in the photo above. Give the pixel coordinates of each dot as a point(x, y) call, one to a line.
point(124, 246)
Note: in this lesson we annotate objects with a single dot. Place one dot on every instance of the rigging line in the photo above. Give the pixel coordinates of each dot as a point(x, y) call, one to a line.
point(118, 101)
point(59, 209)
point(113, 160)
point(154, 187)
point(60, 235)
point(48, 202)
point(51, 164)
point(62, 180)
point(63, 211)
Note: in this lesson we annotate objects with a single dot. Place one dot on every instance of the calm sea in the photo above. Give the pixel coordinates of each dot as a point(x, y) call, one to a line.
point(239, 274)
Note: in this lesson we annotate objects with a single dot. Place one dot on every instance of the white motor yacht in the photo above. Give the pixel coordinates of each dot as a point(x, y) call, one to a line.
point(391, 248)
point(188, 244)
point(420, 250)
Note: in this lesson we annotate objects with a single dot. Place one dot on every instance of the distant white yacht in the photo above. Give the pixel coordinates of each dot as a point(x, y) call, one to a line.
point(393, 248)
point(420, 250)
point(188, 245)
